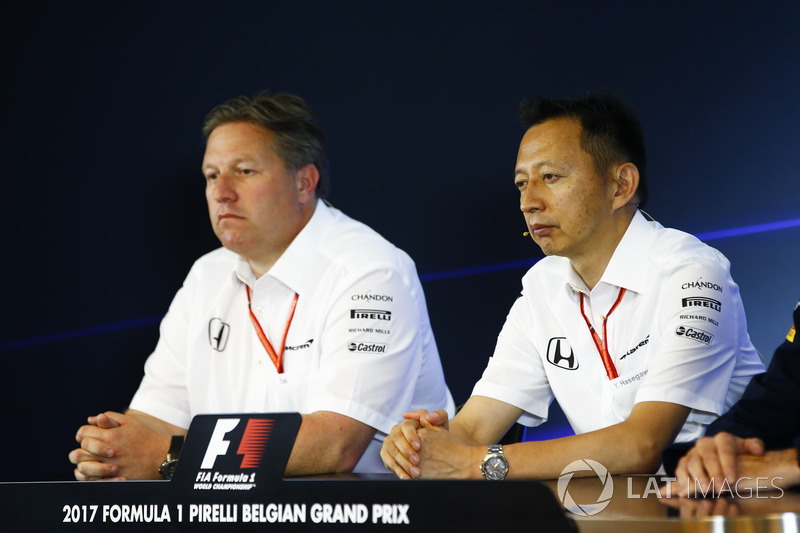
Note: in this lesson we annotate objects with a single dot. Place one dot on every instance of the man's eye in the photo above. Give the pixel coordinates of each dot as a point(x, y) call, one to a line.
point(520, 184)
point(549, 176)
point(211, 176)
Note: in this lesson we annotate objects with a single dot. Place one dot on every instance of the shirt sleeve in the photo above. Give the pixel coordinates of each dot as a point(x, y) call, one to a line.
point(515, 374)
point(379, 357)
point(700, 339)
point(162, 392)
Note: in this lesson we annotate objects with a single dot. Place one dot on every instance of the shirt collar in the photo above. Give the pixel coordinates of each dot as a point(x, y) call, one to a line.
point(626, 267)
point(290, 268)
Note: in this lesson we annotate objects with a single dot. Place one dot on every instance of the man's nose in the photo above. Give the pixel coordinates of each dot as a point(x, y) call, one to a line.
point(530, 199)
point(224, 188)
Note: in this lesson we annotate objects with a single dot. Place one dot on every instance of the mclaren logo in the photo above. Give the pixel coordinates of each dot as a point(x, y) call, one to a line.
point(560, 354)
point(218, 332)
point(303, 346)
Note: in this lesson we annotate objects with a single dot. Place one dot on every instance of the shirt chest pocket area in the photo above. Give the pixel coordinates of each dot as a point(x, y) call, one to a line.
point(619, 395)
point(299, 358)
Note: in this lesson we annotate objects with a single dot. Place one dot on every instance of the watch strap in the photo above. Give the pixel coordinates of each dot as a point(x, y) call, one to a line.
point(175, 447)
point(488, 469)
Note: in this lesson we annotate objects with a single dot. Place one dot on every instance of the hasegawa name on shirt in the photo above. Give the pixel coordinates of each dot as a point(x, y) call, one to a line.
point(622, 382)
point(272, 513)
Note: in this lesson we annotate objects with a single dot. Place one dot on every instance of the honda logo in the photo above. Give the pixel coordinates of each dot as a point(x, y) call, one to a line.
point(218, 332)
point(560, 354)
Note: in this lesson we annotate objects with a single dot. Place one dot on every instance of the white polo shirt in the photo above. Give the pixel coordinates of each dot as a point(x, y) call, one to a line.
point(678, 335)
point(359, 344)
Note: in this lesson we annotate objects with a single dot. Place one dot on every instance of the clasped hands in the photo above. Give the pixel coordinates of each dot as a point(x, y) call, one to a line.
point(722, 473)
point(422, 446)
point(725, 463)
point(116, 446)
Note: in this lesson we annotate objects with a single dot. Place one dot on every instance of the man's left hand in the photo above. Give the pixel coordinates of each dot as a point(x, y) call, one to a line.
point(443, 455)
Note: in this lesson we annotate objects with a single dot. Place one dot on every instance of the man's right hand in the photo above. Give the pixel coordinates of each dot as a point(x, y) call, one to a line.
point(711, 463)
point(400, 447)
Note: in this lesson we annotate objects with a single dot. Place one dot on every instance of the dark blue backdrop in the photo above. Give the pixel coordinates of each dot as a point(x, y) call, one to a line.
point(103, 197)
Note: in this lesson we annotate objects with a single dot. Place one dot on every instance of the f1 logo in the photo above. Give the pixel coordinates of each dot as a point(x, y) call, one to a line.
point(254, 441)
point(560, 354)
point(218, 445)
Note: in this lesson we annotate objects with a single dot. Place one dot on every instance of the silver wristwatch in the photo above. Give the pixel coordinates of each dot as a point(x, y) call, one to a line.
point(494, 466)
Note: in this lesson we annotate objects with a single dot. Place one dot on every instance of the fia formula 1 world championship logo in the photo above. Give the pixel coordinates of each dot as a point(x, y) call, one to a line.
point(585, 509)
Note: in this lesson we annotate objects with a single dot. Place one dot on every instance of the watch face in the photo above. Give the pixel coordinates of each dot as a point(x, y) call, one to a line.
point(168, 469)
point(495, 467)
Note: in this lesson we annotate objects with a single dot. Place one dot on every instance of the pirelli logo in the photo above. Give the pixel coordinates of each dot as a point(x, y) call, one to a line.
point(699, 301)
point(370, 314)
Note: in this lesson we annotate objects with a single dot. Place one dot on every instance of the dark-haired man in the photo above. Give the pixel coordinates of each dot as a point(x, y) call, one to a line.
point(638, 331)
point(302, 309)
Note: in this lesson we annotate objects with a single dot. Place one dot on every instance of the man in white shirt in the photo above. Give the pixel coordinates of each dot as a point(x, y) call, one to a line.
point(638, 331)
point(302, 309)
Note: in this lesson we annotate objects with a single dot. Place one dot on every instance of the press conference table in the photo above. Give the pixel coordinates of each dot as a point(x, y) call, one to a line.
point(636, 507)
point(216, 489)
point(421, 505)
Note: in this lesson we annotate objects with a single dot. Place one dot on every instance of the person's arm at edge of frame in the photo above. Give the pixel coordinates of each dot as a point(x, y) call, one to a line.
point(728, 459)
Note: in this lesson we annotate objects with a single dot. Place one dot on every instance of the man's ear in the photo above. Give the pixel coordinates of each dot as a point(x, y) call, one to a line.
point(626, 182)
point(306, 179)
